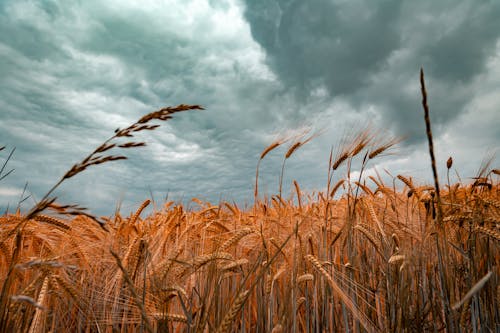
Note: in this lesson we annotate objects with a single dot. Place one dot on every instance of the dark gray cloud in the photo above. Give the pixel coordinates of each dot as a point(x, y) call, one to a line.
point(71, 72)
point(321, 42)
point(369, 51)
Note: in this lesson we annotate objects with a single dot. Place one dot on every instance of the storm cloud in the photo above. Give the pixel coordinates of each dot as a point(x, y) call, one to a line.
point(71, 72)
point(370, 51)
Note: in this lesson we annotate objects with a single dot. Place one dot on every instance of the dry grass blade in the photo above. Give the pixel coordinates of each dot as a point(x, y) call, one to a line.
point(5, 164)
point(40, 263)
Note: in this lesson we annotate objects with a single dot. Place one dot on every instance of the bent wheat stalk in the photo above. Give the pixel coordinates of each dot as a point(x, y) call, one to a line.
point(98, 156)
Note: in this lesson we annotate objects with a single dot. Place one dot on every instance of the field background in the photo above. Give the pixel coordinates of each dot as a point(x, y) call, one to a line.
point(362, 255)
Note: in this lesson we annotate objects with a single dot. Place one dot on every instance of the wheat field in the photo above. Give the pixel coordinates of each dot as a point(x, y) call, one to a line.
point(360, 256)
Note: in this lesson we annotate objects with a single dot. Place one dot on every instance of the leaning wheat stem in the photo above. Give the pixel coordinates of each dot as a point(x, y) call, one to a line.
point(363, 319)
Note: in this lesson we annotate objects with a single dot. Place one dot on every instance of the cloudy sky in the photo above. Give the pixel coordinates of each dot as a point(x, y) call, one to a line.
point(73, 71)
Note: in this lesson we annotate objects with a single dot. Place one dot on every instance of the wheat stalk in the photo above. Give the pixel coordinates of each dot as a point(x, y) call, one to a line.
point(369, 234)
point(133, 291)
point(476, 288)
point(375, 219)
point(97, 156)
point(363, 319)
point(235, 308)
point(134, 217)
point(38, 323)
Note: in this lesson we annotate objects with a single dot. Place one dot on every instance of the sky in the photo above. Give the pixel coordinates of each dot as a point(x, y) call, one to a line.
point(71, 72)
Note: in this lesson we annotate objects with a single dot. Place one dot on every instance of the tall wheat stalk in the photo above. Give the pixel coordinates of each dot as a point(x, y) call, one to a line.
point(441, 245)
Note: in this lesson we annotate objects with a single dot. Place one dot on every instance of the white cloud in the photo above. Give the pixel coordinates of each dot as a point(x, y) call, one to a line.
point(10, 192)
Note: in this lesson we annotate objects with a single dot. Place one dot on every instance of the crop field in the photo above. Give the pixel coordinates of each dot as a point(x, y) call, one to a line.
point(363, 255)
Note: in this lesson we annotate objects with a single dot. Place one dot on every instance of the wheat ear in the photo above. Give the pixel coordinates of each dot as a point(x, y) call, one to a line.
point(37, 325)
point(236, 238)
point(170, 317)
point(489, 232)
point(139, 211)
point(225, 326)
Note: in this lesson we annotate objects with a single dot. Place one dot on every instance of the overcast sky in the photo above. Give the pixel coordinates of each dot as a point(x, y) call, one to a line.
point(73, 71)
